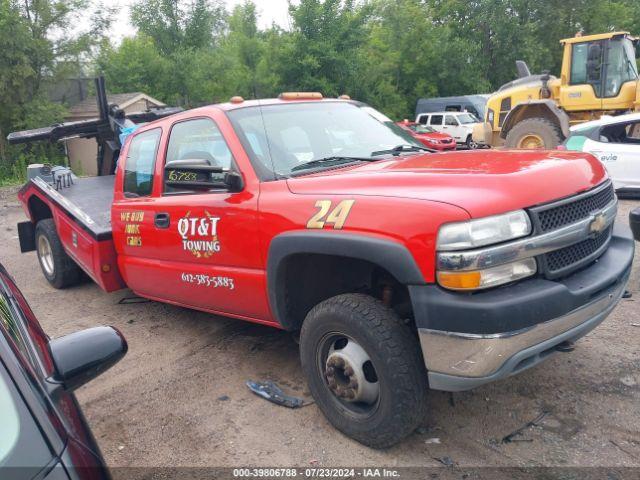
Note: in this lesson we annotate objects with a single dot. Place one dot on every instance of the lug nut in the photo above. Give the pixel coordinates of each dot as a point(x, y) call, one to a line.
point(348, 371)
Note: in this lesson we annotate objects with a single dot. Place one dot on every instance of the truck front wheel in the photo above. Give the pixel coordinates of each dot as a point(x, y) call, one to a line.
point(534, 133)
point(58, 268)
point(364, 369)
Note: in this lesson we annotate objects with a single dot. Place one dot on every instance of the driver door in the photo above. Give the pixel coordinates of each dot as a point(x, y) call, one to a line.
point(199, 248)
point(584, 88)
point(453, 128)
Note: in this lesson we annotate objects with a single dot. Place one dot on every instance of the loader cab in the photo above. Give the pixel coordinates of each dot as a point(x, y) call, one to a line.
point(599, 72)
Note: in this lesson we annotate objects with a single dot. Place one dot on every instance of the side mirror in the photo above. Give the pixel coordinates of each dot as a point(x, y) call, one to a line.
point(634, 223)
point(198, 174)
point(81, 356)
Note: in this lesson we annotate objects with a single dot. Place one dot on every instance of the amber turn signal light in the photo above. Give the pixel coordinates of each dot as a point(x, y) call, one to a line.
point(460, 280)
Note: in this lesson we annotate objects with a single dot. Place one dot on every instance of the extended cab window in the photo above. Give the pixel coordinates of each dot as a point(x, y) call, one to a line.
point(140, 163)
point(198, 139)
point(436, 120)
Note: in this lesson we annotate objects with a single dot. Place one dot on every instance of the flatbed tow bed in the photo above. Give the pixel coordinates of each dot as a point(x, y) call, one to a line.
point(83, 212)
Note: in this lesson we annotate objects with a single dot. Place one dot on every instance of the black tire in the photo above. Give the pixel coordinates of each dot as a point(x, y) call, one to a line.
point(471, 145)
point(395, 354)
point(63, 272)
point(547, 131)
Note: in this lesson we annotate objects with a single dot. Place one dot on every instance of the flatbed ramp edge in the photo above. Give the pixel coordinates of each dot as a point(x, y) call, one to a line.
point(82, 214)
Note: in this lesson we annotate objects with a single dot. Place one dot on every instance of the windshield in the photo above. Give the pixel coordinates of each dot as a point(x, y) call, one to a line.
point(630, 53)
point(631, 66)
point(621, 66)
point(421, 128)
point(466, 118)
point(281, 137)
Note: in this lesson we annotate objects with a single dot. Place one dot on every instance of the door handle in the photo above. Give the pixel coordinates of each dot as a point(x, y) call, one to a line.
point(161, 220)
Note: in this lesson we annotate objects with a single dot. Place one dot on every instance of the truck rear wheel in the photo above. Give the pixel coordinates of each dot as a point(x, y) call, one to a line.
point(534, 133)
point(58, 268)
point(364, 369)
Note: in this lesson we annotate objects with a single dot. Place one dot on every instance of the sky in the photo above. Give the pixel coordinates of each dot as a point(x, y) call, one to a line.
point(269, 11)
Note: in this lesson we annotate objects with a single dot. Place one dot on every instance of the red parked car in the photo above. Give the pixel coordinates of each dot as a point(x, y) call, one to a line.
point(428, 136)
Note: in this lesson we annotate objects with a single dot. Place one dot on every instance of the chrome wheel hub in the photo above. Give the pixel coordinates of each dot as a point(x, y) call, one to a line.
point(45, 254)
point(350, 373)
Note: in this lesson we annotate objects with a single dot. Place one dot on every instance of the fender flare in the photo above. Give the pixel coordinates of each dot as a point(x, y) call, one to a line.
point(392, 256)
point(540, 107)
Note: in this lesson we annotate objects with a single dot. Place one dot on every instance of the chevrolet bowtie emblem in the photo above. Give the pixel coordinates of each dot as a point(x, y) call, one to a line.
point(598, 224)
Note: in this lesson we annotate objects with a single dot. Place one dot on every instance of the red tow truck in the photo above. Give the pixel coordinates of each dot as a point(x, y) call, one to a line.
point(402, 269)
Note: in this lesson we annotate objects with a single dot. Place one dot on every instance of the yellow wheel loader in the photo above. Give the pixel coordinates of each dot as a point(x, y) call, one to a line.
point(599, 77)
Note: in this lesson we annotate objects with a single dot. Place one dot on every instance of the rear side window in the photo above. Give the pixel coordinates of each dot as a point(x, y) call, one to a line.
point(423, 119)
point(140, 164)
point(436, 120)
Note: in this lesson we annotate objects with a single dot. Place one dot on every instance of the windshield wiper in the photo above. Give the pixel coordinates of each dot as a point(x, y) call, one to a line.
point(329, 161)
point(401, 149)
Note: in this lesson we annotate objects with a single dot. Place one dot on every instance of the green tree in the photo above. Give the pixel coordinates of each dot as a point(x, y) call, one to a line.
point(37, 49)
point(176, 25)
point(323, 52)
point(136, 65)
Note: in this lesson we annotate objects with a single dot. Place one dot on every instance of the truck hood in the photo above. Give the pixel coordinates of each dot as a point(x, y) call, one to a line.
point(481, 182)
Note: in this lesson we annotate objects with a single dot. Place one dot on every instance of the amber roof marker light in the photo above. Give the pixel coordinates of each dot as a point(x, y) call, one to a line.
point(344, 97)
point(300, 96)
point(236, 99)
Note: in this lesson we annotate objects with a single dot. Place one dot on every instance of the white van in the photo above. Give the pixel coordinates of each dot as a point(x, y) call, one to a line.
point(457, 124)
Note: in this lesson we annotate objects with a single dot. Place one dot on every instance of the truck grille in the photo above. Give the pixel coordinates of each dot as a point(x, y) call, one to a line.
point(571, 255)
point(547, 218)
point(571, 212)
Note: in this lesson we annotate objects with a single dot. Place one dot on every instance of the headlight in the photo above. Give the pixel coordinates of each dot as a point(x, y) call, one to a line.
point(483, 231)
point(489, 277)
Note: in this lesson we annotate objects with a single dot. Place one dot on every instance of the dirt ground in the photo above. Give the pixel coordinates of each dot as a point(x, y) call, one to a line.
point(179, 398)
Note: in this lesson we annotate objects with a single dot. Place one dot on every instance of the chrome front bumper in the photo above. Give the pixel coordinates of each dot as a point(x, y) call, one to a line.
point(461, 361)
